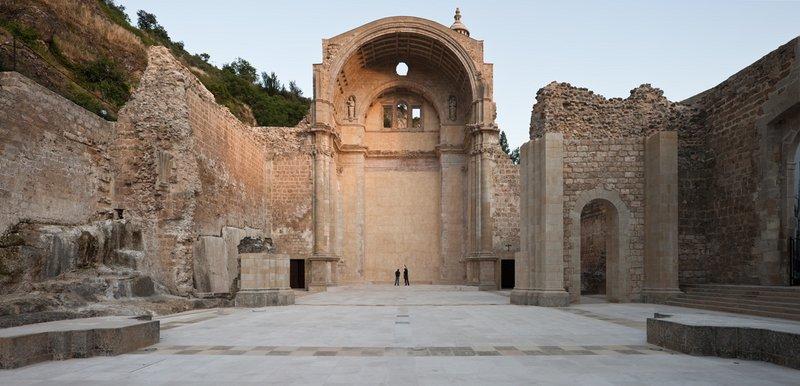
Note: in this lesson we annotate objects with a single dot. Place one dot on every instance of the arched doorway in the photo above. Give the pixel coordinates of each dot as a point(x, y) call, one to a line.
point(599, 247)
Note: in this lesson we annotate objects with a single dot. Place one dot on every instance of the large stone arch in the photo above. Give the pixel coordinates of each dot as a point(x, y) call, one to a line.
point(618, 260)
point(402, 24)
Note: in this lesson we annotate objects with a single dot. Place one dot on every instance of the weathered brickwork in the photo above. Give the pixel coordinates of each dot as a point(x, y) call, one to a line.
point(232, 169)
point(604, 149)
point(291, 188)
point(741, 164)
point(189, 168)
point(54, 165)
point(505, 207)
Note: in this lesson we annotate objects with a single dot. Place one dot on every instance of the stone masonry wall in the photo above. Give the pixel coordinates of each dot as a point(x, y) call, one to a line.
point(505, 207)
point(194, 173)
point(291, 188)
point(54, 161)
point(604, 149)
point(741, 214)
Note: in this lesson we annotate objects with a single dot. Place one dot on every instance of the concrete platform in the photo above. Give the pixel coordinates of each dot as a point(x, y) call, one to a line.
point(767, 340)
point(75, 338)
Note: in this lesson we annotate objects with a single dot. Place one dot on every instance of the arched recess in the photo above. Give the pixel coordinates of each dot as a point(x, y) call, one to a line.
point(618, 247)
point(363, 109)
point(412, 37)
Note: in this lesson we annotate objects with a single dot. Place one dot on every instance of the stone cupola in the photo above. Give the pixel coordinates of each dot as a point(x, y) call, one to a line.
point(458, 26)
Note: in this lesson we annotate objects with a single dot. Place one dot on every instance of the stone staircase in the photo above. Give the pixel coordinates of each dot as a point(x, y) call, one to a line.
point(773, 302)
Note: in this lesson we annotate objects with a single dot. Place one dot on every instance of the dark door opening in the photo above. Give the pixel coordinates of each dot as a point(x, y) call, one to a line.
point(297, 273)
point(506, 274)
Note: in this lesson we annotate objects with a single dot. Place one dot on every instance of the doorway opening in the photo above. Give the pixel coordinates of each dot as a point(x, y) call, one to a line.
point(506, 274)
point(297, 273)
point(599, 259)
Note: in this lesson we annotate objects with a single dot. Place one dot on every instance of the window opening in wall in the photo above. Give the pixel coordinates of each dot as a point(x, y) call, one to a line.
point(401, 69)
point(387, 117)
point(416, 117)
point(401, 121)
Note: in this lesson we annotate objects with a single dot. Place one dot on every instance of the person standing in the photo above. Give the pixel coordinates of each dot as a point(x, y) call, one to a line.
point(397, 277)
point(405, 275)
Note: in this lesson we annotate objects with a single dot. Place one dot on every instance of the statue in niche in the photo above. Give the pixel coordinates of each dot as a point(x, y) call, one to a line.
point(451, 107)
point(351, 108)
point(401, 121)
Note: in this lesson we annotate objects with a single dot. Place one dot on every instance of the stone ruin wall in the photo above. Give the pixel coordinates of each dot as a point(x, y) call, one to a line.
point(505, 207)
point(191, 179)
point(204, 180)
point(724, 162)
point(604, 149)
point(291, 188)
point(54, 162)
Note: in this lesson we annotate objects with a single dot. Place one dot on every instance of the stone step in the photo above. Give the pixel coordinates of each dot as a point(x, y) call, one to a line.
point(736, 303)
point(740, 288)
point(782, 301)
point(733, 309)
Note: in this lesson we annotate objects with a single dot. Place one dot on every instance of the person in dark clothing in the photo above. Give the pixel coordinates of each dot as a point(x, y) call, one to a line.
point(405, 275)
point(397, 277)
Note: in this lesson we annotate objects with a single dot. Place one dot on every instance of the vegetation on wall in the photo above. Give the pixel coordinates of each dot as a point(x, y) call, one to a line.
point(513, 154)
point(90, 52)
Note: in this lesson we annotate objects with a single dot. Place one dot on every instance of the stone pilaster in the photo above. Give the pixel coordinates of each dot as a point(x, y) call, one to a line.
point(542, 283)
point(481, 261)
point(322, 262)
point(661, 217)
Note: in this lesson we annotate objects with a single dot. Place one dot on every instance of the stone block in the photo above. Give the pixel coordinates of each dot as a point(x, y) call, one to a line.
point(75, 338)
point(264, 298)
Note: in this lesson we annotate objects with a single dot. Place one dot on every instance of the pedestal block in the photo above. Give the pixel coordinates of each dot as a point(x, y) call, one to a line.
point(264, 280)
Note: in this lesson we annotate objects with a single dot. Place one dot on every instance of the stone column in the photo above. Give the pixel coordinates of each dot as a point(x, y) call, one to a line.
point(543, 218)
point(661, 217)
point(481, 261)
point(322, 260)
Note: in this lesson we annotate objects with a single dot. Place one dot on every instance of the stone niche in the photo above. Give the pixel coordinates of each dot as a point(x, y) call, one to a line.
point(264, 279)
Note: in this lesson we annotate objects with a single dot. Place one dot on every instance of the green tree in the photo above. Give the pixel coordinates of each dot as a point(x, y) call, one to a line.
point(504, 143)
point(515, 156)
point(148, 22)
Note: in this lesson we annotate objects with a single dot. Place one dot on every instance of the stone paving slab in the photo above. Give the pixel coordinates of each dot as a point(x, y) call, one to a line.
point(405, 351)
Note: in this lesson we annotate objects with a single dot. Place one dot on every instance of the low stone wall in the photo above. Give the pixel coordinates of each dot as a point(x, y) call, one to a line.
point(742, 338)
point(77, 338)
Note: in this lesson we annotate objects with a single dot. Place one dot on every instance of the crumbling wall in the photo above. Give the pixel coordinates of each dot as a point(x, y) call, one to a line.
point(190, 169)
point(54, 161)
point(741, 163)
point(505, 207)
point(604, 149)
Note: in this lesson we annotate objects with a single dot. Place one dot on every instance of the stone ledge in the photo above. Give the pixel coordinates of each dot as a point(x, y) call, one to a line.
point(540, 298)
point(75, 338)
point(264, 298)
point(728, 337)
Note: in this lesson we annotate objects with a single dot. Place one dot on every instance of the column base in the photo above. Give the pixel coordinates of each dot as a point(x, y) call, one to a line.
point(540, 298)
point(264, 298)
point(659, 295)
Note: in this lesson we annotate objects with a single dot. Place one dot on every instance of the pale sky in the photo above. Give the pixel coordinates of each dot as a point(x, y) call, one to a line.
point(610, 47)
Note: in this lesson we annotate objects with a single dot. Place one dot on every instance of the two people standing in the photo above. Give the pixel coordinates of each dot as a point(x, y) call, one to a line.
point(397, 276)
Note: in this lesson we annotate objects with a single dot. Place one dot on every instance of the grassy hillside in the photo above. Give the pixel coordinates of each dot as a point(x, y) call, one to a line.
point(91, 53)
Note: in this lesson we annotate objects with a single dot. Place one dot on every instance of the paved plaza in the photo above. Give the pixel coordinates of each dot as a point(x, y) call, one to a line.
point(416, 335)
